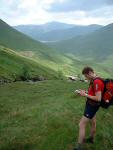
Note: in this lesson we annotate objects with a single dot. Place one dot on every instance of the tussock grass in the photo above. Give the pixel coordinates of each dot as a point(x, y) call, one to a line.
point(45, 116)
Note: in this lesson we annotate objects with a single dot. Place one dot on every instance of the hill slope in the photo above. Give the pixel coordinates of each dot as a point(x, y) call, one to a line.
point(97, 45)
point(35, 50)
point(14, 66)
point(9, 37)
point(48, 58)
point(28, 47)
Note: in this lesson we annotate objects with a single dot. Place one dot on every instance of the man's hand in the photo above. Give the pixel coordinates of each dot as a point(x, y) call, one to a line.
point(83, 93)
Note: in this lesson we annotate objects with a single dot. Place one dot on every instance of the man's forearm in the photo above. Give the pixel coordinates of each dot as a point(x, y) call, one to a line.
point(94, 98)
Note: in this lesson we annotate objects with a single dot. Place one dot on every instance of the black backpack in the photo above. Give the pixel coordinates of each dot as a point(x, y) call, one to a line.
point(107, 95)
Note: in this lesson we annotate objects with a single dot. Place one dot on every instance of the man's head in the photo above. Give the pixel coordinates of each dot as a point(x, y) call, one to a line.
point(88, 72)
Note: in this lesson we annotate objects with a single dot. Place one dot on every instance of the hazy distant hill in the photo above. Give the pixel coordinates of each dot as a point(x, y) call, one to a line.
point(55, 31)
point(63, 34)
point(37, 31)
point(98, 44)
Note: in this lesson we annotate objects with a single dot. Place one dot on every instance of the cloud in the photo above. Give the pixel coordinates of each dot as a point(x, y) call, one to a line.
point(109, 2)
point(73, 5)
point(24, 11)
point(83, 12)
point(101, 16)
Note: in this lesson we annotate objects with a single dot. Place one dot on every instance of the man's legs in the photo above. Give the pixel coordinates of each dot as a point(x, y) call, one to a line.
point(82, 129)
point(93, 127)
point(82, 126)
point(93, 130)
point(89, 115)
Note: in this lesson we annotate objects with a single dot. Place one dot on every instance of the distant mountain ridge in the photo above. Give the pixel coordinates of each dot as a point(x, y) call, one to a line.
point(55, 31)
point(44, 27)
point(36, 31)
point(98, 44)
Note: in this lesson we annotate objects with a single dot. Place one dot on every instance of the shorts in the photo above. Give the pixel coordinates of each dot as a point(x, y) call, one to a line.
point(90, 110)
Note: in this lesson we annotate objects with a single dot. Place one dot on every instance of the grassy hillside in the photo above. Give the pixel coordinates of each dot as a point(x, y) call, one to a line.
point(97, 45)
point(13, 66)
point(9, 37)
point(42, 54)
point(32, 49)
point(45, 116)
point(49, 59)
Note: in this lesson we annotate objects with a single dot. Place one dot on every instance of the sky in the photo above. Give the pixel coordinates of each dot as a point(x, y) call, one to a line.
point(79, 12)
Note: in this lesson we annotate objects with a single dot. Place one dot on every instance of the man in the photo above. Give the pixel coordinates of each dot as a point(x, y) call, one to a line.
point(94, 95)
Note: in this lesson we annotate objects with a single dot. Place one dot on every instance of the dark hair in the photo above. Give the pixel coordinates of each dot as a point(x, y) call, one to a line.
point(86, 70)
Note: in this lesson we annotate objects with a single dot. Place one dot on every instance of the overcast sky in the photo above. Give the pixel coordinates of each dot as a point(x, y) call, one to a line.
point(82, 12)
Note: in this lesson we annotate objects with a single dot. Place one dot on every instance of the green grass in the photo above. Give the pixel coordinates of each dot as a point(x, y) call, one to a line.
point(13, 65)
point(45, 116)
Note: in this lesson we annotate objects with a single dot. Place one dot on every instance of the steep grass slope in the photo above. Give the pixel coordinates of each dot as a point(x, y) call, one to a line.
point(9, 37)
point(14, 66)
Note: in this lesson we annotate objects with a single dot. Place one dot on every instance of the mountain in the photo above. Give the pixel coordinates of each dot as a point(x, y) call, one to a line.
point(55, 26)
point(44, 56)
point(63, 34)
point(96, 45)
point(36, 51)
point(55, 31)
point(11, 38)
point(46, 61)
point(36, 31)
